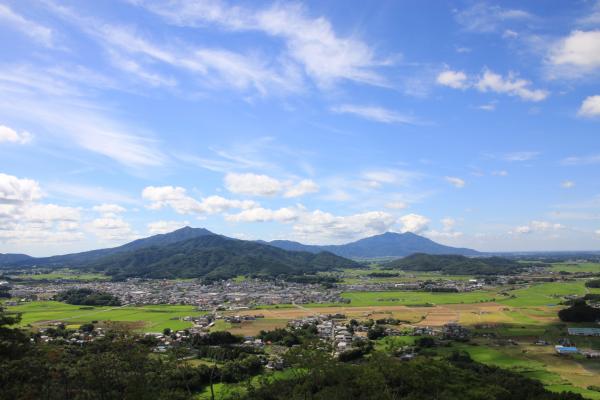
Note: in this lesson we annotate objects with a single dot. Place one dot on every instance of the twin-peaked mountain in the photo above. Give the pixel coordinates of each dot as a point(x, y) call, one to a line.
point(389, 244)
point(199, 253)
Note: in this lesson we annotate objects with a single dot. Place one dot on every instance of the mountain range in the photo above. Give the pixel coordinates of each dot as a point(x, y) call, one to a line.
point(197, 252)
point(388, 244)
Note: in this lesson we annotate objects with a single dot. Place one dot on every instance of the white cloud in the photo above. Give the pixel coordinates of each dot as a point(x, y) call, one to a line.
point(490, 81)
point(485, 18)
point(165, 226)
point(10, 135)
point(414, 223)
point(218, 67)
point(598, 232)
point(311, 42)
point(374, 113)
point(511, 85)
point(24, 220)
point(396, 205)
point(109, 209)
point(17, 191)
point(447, 231)
point(500, 173)
point(456, 182)
point(59, 110)
point(252, 184)
point(263, 185)
point(453, 79)
point(581, 160)
point(34, 30)
point(509, 34)
point(520, 156)
point(177, 198)
point(567, 184)
point(590, 107)
point(112, 229)
point(260, 214)
point(318, 226)
point(376, 178)
point(487, 107)
point(576, 54)
point(448, 223)
point(301, 188)
point(536, 227)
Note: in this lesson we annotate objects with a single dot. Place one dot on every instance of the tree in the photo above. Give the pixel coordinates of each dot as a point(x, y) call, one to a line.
point(580, 311)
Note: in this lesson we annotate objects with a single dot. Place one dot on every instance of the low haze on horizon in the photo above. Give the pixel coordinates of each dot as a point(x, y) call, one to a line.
point(472, 123)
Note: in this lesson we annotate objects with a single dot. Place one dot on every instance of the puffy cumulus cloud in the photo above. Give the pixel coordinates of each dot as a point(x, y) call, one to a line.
point(260, 214)
point(165, 226)
point(178, 200)
point(456, 182)
point(447, 232)
point(17, 191)
point(576, 54)
point(590, 107)
point(490, 81)
point(453, 79)
point(537, 226)
point(414, 223)
point(263, 185)
point(24, 220)
point(11, 136)
point(49, 213)
point(301, 188)
point(318, 226)
point(112, 229)
point(252, 184)
point(448, 223)
point(510, 85)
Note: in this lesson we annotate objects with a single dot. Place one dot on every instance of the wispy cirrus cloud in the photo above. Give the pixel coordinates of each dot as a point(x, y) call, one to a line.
point(374, 113)
point(312, 42)
point(36, 31)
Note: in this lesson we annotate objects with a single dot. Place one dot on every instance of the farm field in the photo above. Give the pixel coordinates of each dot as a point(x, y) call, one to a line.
point(65, 274)
point(153, 318)
point(576, 267)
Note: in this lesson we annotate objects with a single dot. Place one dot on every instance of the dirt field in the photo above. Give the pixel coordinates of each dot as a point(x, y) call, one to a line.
point(467, 314)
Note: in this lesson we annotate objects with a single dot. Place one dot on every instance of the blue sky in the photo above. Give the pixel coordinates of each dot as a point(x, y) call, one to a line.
point(473, 123)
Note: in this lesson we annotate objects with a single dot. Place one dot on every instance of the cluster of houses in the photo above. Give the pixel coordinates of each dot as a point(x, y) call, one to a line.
point(332, 329)
point(229, 294)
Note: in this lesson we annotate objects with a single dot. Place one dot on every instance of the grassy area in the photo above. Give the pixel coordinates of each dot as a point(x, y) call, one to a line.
point(64, 274)
point(144, 318)
point(389, 298)
point(576, 267)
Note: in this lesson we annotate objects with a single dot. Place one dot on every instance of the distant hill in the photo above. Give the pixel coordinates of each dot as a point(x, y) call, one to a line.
point(389, 244)
point(13, 258)
point(215, 257)
point(456, 264)
point(86, 257)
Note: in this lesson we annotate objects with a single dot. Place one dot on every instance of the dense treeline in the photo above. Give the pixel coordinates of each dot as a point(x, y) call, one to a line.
point(384, 378)
point(87, 297)
point(456, 264)
point(594, 283)
point(580, 311)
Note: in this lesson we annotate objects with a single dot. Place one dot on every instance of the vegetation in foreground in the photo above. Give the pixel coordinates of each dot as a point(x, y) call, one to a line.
point(122, 366)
